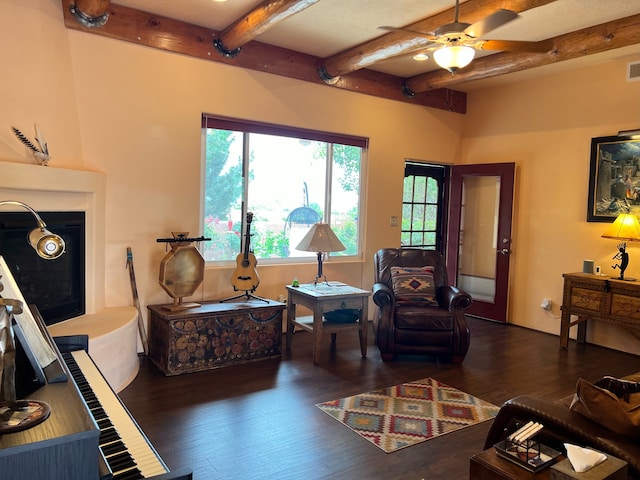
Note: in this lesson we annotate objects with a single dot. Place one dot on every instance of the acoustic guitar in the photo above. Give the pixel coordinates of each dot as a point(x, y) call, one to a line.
point(245, 277)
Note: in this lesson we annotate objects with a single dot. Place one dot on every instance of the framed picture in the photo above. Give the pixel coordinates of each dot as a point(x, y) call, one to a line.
point(614, 178)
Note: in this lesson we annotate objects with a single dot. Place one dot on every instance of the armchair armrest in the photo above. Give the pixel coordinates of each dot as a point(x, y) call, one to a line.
point(453, 298)
point(383, 295)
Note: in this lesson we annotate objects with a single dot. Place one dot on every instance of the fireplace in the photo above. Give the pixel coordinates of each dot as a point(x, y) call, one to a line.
point(56, 287)
point(112, 331)
point(50, 189)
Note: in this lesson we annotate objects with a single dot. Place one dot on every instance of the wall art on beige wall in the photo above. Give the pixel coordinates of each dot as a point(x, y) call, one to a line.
point(614, 179)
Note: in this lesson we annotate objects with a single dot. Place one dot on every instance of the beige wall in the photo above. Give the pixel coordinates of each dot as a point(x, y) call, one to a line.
point(134, 113)
point(545, 126)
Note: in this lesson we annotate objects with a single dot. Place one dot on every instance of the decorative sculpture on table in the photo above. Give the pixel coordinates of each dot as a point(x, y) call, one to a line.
point(16, 415)
point(181, 270)
point(626, 228)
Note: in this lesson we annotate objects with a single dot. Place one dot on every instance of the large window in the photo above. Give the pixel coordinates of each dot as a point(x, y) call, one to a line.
point(287, 178)
point(423, 205)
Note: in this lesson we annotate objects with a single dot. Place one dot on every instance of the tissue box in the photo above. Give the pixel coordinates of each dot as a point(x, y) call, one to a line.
point(611, 469)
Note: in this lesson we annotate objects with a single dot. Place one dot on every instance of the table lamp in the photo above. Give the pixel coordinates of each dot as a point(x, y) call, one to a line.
point(320, 239)
point(16, 414)
point(626, 228)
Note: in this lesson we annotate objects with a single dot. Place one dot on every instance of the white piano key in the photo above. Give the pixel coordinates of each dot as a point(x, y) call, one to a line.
point(138, 446)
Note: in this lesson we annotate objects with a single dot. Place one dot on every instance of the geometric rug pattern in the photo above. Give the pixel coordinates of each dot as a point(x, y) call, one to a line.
point(403, 415)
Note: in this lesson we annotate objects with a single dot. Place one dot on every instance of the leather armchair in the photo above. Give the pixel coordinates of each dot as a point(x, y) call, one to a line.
point(438, 329)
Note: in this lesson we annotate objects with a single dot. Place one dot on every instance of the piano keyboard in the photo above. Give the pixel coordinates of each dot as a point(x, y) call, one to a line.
point(125, 447)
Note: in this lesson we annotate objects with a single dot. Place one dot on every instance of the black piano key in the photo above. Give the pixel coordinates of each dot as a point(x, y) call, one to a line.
point(120, 461)
point(108, 435)
point(112, 447)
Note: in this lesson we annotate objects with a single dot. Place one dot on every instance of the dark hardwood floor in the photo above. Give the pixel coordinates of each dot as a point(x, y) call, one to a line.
point(259, 420)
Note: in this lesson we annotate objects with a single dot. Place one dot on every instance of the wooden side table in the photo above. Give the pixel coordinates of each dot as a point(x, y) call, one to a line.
point(326, 297)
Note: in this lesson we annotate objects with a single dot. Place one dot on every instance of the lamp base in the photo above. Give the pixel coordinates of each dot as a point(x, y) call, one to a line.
point(626, 279)
point(25, 414)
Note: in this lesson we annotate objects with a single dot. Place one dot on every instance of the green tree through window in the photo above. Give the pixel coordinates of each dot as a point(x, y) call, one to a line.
point(288, 178)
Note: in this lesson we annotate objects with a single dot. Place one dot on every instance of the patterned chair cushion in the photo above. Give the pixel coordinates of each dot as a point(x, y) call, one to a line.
point(413, 285)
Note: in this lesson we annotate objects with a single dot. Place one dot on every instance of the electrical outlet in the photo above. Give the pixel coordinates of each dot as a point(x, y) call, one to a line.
point(393, 221)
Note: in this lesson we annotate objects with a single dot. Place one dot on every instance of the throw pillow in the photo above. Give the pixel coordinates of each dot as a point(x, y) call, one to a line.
point(413, 285)
point(605, 408)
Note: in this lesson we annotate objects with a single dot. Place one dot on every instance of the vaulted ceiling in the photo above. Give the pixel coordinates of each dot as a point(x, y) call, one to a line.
point(339, 43)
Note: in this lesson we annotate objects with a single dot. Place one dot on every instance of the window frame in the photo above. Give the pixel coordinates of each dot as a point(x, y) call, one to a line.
point(256, 127)
point(441, 174)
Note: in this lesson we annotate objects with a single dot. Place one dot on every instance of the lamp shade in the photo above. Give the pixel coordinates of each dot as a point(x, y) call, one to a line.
point(453, 58)
point(320, 238)
point(625, 227)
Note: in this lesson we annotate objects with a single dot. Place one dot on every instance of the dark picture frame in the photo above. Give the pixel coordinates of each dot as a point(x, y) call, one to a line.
point(614, 178)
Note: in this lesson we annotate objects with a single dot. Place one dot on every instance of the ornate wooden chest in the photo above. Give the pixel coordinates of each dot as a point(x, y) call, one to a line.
point(214, 335)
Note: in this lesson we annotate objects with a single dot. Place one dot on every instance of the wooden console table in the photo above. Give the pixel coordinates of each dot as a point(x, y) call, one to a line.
point(602, 298)
point(214, 335)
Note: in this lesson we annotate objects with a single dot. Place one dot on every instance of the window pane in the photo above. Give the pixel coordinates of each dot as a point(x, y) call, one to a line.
point(420, 189)
point(284, 174)
point(416, 238)
point(287, 190)
point(345, 196)
point(407, 192)
point(223, 194)
point(432, 195)
point(431, 217)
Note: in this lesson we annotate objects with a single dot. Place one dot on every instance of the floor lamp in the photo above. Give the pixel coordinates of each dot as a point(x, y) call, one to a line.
point(320, 239)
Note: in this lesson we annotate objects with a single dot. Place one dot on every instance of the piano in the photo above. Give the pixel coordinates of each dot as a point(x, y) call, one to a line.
point(89, 434)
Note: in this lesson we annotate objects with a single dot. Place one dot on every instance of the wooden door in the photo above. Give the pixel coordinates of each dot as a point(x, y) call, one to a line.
point(479, 235)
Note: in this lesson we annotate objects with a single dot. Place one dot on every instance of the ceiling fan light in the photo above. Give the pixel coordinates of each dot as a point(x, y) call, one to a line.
point(453, 58)
point(421, 57)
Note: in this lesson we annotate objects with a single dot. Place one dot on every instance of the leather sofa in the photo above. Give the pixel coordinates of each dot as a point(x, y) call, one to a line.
point(561, 424)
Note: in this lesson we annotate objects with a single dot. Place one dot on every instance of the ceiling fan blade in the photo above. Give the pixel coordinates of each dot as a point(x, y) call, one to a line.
point(491, 22)
point(406, 30)
point(515, 46)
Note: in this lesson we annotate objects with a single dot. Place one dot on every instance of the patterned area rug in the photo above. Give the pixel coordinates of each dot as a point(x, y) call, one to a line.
point(403, 415)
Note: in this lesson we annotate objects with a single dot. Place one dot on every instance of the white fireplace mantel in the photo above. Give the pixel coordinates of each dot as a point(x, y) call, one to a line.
point(48, 189)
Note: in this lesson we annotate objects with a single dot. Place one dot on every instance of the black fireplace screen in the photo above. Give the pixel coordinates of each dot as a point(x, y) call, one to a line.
point(56, 287)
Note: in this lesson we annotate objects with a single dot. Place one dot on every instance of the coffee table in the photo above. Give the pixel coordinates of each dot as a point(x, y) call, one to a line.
point(325, 297)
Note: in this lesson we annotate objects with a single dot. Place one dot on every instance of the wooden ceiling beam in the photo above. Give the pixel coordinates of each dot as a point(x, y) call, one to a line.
point(259, 20)
point(401, 43)
point(600, 38)
point(142, 28)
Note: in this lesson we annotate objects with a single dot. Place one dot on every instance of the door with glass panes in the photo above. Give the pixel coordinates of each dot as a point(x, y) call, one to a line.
point(464, 212)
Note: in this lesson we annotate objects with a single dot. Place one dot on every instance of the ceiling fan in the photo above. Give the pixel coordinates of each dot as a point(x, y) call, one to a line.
point(454, 44)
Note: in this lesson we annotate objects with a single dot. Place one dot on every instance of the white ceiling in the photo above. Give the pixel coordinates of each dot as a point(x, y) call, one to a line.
point(329, 27)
